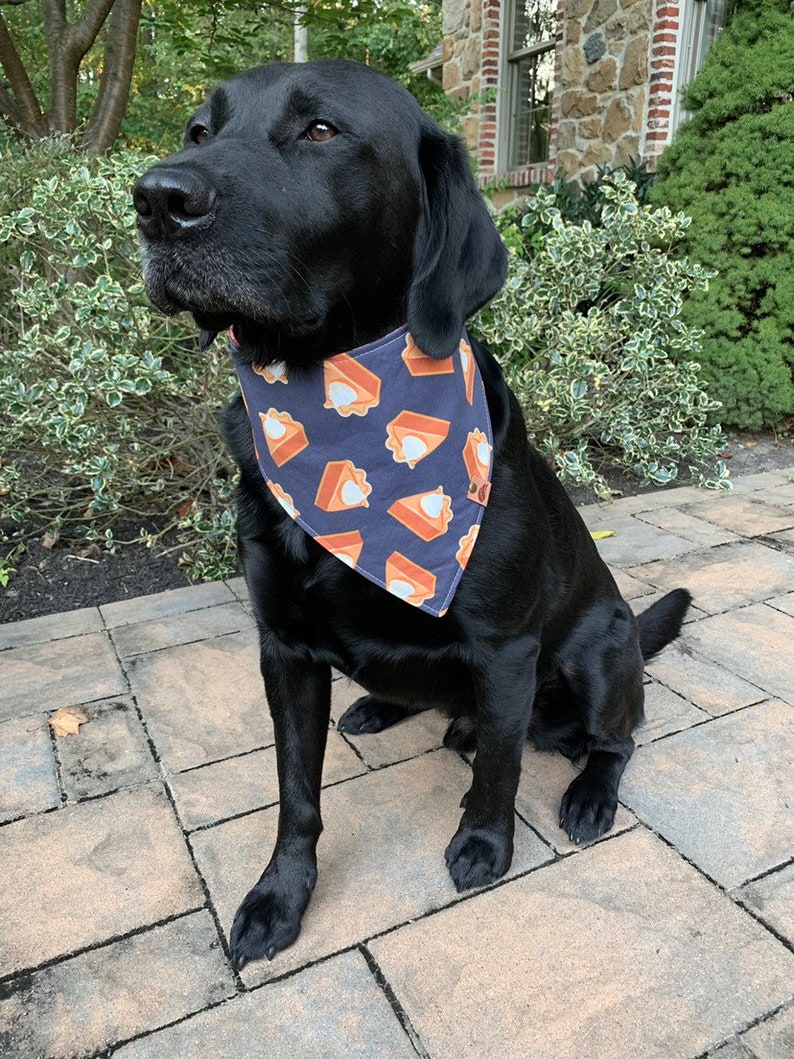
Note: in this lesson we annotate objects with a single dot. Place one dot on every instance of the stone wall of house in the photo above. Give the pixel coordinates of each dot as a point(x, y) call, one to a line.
point(604, 83)
point(462, 27)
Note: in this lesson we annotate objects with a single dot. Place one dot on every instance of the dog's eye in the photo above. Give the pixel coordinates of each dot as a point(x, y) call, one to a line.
point(199, 134)
point(320, 131)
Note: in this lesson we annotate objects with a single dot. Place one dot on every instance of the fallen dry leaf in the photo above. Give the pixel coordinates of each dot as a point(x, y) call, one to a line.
point(91, 551)
point(48, 541)
point(598, 535)
point(67, 720)
point(750, 444)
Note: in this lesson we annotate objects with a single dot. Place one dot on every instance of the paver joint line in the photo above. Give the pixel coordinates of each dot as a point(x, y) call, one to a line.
point(394, 1003)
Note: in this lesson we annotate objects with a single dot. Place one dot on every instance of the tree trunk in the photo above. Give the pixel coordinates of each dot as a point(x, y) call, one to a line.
point(67, 46)
point(22, 109)
point(114, 88)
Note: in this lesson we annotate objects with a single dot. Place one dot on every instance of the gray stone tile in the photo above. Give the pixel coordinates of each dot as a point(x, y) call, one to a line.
point(706, 684)
point(177, 629)
point(162, 604)
point(203, 701)
point(750, 483)
point(239, 587)
point(784, 603)
point(778, 496)
point(60, 673)
point(381, 857)
point(774, 1038)
point(772, 898)
point(50, 627)
point(407, 739)
point(725, 577)
point(332, 1011)
point(783, 541)
point(28, 778)
point(93, 1000)
point(744, 515)
point(732, 1049)
point(665, 713)
point(544, 779)
point(83, 874)
point(756, 642)
point(109, 752)
point(216, 792)
point(686, 525)
point(630, 587)
point(638, 542)
point(619, 952)
point(722, 792)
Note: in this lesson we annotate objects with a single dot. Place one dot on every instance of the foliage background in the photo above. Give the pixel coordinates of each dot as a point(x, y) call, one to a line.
point(731, 168)
point(111, 431)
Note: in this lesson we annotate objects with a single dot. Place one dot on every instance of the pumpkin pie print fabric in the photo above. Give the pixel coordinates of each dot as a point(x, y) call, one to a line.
point(383, 455)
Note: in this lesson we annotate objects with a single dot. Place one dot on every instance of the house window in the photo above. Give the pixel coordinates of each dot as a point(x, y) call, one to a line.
point(700, 25)
point(529, 81)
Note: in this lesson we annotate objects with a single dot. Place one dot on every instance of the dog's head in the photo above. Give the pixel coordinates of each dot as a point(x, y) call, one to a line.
point(315, 207)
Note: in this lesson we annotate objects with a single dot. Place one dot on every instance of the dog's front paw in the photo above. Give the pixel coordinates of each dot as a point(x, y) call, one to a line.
point(477, 856)
point(587, 810)
point(269, 919)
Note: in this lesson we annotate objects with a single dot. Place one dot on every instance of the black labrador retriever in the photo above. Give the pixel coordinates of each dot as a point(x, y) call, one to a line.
point(313, 209)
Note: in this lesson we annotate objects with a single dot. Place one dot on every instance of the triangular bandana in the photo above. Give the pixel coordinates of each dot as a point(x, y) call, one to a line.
point(383, 455)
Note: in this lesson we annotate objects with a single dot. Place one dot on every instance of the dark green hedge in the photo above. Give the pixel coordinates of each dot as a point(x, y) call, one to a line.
point(731, 169)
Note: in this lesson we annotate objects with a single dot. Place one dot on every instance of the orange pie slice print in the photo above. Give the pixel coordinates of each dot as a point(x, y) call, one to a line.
point(342, 486)
point(418, 363)
point(285, 438)
point(350, 388)
point(275, 372)
point(408, 581)
point(411, 436)
point(284, 499)
point(466, 546)
point(345, 546)
point(467, 363)
point(477, 456)
point(428, 515)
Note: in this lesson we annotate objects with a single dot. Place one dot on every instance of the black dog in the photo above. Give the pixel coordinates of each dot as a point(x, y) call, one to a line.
point(315, 208)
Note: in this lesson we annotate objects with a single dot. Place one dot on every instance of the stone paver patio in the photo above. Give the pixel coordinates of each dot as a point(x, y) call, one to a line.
point(125, 849)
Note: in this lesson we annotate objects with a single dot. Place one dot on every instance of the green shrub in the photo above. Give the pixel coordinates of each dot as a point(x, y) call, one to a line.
point(110, 409)
point(731, 168)
point(588, 329)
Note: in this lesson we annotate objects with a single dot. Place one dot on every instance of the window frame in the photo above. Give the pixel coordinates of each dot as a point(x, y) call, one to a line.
point(507, 125)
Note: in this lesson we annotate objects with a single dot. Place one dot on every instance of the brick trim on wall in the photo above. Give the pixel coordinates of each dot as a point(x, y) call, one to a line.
point(664, 49)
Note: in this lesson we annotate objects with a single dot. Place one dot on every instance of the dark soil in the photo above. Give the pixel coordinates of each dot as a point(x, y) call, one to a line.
point(64, 577)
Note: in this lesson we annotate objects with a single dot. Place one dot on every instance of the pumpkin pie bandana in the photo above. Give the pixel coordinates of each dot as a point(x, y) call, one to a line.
point(383, 456)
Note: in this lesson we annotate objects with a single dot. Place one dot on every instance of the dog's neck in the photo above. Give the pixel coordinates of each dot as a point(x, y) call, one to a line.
point(347, 326)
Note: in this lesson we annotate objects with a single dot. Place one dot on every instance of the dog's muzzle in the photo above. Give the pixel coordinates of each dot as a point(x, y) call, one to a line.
point(172, 202)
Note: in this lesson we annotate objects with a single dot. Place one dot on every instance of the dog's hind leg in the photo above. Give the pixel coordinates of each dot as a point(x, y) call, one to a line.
point(371, 714)
point(604, 674)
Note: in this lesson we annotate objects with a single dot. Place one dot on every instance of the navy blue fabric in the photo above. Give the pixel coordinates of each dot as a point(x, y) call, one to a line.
point(383, 455)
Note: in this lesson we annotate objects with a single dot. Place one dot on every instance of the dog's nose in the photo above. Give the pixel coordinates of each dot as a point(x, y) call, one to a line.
point(170, 202)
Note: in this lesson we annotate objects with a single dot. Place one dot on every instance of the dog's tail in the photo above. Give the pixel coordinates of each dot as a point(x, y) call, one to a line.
point(661, 622)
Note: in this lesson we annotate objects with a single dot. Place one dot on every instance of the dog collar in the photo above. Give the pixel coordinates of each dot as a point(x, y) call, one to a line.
point(382, 455)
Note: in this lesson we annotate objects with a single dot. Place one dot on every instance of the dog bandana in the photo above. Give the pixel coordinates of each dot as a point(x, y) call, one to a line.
point(383, 456)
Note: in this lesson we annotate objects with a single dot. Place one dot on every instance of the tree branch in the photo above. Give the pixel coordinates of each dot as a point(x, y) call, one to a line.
point(25, 99)
point(114, 87)
point(83, 33)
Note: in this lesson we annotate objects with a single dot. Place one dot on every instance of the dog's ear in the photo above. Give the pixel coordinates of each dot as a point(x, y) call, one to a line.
point(459, 260)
